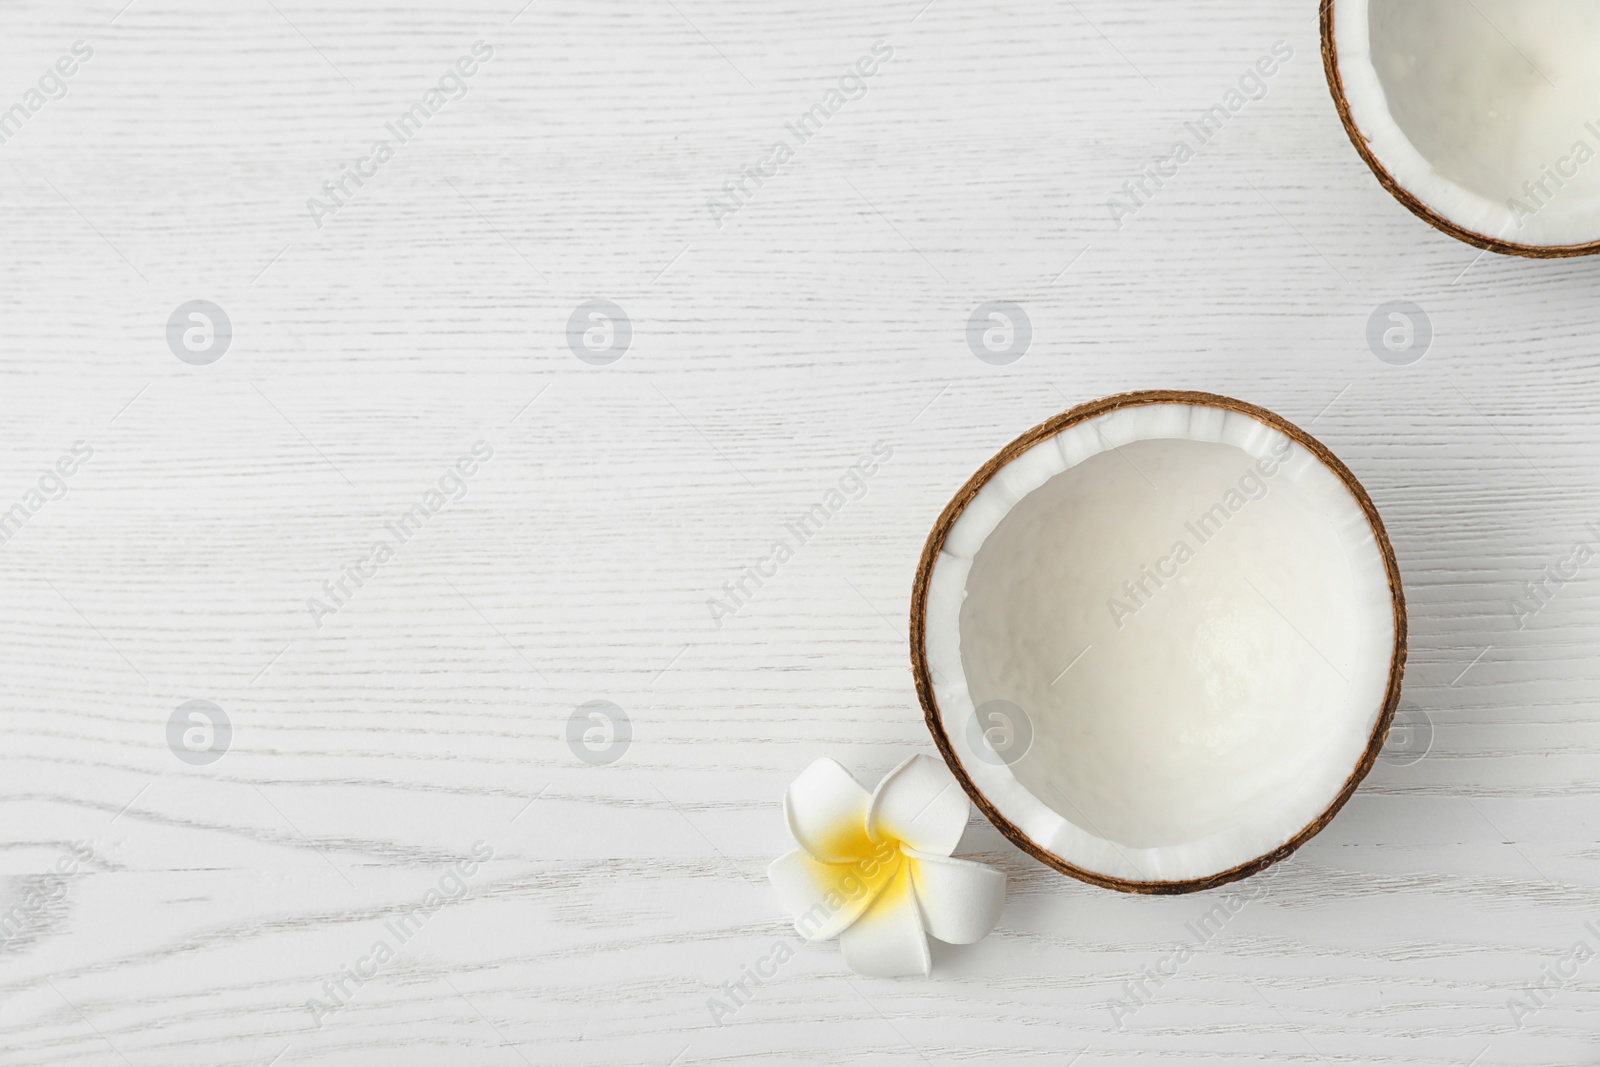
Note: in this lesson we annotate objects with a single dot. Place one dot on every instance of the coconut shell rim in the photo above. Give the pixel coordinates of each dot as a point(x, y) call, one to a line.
point(1330, 65)
point(921, 675)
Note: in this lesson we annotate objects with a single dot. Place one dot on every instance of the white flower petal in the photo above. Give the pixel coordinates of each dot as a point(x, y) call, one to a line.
point(825, 898)
point(921, 804)
point(888, 941)
point(827, 809)
point(960, 900)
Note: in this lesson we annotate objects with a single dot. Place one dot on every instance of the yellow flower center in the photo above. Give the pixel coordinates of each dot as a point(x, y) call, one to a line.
point(872, 866)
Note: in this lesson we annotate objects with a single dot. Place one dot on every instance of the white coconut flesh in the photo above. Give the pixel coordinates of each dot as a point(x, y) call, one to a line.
point(1190, 614)
point(1487, 112)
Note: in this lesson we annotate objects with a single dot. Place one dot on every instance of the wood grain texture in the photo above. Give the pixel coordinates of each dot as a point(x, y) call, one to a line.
point(828, 313)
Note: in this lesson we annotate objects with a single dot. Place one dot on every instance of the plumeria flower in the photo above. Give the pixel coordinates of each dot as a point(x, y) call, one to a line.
point(875, 869)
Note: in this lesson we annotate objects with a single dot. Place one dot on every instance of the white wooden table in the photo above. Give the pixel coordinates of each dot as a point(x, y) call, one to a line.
point(375, 740)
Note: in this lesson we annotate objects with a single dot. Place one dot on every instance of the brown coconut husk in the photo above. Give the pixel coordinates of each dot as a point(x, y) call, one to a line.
point(1330, 65)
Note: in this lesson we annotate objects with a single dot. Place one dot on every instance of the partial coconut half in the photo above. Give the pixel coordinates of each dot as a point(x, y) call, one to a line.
point(1159, 639)
point(1482, 117)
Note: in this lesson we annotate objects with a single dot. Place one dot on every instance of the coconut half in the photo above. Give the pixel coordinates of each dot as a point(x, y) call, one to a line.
point(1159, 639)
point(1482, 117)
